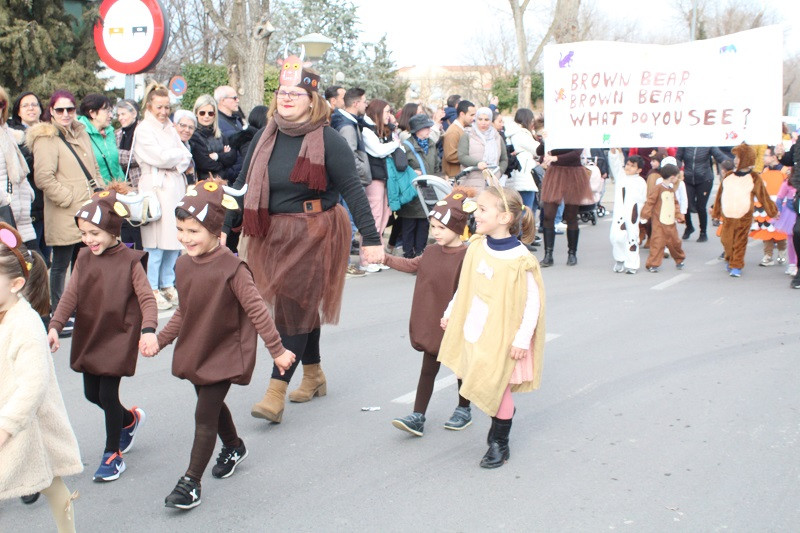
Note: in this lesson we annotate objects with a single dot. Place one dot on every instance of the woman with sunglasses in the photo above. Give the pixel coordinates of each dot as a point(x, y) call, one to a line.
point(66, 171)
point(164, 159)
point(295, 234)
point(212, 156)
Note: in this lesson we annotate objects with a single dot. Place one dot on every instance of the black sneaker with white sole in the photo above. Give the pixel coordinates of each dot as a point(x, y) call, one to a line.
point(185, 495)
point(229, 458)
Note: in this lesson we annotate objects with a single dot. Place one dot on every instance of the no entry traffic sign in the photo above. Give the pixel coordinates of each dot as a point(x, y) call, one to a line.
point(131, 35)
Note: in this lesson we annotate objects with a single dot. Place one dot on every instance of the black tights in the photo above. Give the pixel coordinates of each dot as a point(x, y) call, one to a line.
point(211, 417)
point(549, 215)
point(427, 375)
point(103, 391)
point(305, 346)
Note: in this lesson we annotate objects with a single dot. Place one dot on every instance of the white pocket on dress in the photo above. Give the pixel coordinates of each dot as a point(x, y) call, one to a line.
point(476, 320)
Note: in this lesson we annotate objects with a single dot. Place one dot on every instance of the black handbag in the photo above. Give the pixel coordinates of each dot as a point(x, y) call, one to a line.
point(6, 214)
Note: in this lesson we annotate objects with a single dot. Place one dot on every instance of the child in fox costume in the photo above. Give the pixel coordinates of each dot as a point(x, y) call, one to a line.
point(734, 206)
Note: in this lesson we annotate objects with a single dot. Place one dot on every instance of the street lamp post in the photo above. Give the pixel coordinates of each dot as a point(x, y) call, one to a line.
point(315, 44)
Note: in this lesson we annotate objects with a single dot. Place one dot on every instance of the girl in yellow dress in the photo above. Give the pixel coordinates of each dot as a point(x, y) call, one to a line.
point(494, 326)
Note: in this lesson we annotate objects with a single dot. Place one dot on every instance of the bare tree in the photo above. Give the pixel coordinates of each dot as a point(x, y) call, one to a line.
point(564, 28)
point(524, 84)
point(248, 33)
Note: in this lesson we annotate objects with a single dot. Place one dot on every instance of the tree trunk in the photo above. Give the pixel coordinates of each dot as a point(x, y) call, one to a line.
point(232, 56)
point(524, 83)
point(252, 75)
point(565, 22)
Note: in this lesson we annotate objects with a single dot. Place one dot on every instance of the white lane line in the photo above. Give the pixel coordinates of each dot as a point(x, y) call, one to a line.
point(447, 381)
point(715, 261)
point(750, 244)
point(670, 282)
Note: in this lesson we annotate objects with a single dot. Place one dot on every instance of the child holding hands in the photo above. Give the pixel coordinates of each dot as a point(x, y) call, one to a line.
point(211, 353)
point(663, 209)
point(37, 444)
point(494, 326)
point(114, 307)
point(437, 269)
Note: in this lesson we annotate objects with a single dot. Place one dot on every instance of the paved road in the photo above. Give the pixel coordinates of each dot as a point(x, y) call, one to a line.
point(669, 403)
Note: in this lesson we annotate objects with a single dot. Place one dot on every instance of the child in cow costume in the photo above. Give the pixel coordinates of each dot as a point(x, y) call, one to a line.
point(734, 206)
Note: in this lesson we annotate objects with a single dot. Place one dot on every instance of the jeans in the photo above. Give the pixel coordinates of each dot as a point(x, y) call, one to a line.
point(353, 227)
point(559, 214)
point(38, 227)
point(529, 200)
point(415, 236)
point(161, 267)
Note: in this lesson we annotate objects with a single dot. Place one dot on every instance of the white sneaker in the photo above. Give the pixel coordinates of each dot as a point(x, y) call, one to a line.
point(630, 271)
point(791, 270)
point(161, 303)
point(384, 267)
point(560, 228)
point(766, 261)
point(171, 295)
point(619, 266)
point(373, 267)
point(781, 257)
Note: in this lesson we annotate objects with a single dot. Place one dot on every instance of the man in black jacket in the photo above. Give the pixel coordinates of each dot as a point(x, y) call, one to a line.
point(698, 176)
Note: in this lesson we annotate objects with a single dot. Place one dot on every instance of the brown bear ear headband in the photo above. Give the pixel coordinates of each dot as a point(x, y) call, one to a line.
point(12, 239)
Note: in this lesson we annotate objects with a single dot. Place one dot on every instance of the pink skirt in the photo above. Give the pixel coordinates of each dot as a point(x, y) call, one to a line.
point(785, 222)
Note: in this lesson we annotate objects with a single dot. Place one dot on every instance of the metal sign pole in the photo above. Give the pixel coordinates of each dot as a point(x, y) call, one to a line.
point(130, 86)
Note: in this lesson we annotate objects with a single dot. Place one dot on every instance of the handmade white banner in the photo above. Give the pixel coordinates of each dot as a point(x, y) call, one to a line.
point(715, 92)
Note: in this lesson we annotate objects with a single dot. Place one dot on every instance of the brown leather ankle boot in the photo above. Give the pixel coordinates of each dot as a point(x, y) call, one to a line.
point(271, 406)
point(313, 384)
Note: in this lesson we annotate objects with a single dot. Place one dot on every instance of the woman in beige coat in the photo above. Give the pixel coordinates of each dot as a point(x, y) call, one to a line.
point(57, 172)
point(37, 444)
point(163, 158)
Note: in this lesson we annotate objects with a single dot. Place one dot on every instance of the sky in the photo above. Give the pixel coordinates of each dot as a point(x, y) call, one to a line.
point(418, 39)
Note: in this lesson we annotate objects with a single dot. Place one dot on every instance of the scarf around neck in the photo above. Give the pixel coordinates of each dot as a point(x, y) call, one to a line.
point(423, 143)
point(16, 167)
point(309, 169)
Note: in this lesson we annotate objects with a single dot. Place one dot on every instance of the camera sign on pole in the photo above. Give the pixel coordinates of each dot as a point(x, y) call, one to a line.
point(131, 35)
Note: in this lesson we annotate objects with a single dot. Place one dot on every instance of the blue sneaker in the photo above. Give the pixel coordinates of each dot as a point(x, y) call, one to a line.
point(111, 467)
point(413, 423)
point(128, 434)
point(462, 417)
point(736, 272)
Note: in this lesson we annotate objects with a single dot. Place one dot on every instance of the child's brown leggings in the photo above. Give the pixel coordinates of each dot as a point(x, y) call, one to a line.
point(427, 376)
point(211, 417)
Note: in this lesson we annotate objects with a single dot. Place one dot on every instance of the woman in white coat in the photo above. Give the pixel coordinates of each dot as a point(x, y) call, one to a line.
point(163, 159)
point(525, 149)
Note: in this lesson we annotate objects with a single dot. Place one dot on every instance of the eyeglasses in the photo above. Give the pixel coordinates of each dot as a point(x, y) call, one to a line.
point(291, 96)
point(232, 97)
point(185, 126)
point(204, 113)
point(32, 105)
point(64, 110)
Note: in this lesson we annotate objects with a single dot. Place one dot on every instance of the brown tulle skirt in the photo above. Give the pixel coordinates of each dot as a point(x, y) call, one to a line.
point(567, 184)
point(299, 267)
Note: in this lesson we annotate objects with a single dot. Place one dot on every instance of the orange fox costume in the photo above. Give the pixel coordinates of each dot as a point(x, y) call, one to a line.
point(734, 205)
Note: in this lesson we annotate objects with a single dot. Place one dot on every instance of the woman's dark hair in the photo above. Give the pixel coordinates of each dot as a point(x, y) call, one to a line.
point(55, 97)
point(409, 110)
point(14, 120)
point(524, 117)
point(375, 112)
point(93, 102)
point(258, 117)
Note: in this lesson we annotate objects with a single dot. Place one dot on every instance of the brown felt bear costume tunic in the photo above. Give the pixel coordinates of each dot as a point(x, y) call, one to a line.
point(734, 205)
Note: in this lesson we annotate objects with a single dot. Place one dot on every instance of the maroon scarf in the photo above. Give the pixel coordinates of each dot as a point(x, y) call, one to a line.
point(309, 169)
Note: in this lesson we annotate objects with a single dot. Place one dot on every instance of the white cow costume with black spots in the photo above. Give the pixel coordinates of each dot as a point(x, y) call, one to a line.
point(630, 195)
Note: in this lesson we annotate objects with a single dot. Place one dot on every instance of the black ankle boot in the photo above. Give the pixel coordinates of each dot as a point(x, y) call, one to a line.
point(572, 246)
point(498, 452)
point(549, 243)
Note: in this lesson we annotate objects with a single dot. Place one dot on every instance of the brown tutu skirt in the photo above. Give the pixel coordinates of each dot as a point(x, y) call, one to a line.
point(567, 184)
point(299, 267)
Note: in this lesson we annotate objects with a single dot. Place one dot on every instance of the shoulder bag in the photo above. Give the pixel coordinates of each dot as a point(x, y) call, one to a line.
point(6, 214)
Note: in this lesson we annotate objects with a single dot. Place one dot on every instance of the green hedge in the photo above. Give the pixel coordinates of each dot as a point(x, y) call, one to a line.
point(202, 78)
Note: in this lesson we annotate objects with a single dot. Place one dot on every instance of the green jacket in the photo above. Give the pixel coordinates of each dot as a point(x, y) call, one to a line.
point(105, 151)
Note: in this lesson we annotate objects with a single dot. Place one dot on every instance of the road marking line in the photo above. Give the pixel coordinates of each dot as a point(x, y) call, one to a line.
point(670, 282)
point(715, 261)
point(447, 381)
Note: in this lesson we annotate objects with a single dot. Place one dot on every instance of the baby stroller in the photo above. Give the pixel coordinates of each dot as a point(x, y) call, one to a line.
point(592, 212)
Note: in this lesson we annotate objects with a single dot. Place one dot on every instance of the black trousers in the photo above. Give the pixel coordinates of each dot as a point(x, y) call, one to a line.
point(305, 346)
point(103, 391)
point(698, 203)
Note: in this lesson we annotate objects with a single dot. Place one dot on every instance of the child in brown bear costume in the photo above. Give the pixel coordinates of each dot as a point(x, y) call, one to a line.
point(662, 210)
point(734, 206)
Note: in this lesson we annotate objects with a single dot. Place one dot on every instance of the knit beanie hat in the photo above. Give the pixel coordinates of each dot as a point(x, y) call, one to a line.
point(106, 209)
point(453, 211)
point(207, 200)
